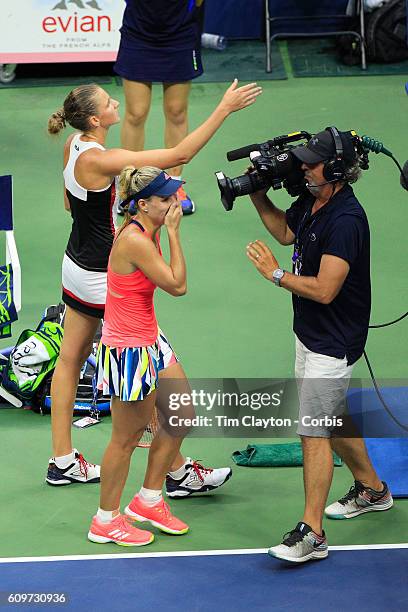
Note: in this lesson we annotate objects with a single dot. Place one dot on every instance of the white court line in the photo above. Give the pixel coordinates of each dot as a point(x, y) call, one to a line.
point(186, 553)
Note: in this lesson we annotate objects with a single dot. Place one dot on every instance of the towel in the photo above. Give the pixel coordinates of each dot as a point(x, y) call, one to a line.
point(273, 455)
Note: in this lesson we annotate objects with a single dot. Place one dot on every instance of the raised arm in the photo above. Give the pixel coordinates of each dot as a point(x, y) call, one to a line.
point(111, 162)
point(171, 277)
point(273, 218)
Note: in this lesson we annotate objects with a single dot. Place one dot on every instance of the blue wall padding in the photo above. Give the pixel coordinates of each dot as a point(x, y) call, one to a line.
point(386, 441)
point(370, 416)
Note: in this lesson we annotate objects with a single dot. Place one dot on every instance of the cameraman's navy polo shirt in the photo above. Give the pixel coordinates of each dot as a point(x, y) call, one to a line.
point(339, 228)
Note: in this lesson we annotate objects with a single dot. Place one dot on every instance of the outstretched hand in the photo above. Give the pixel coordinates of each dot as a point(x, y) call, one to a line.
point(236, 97)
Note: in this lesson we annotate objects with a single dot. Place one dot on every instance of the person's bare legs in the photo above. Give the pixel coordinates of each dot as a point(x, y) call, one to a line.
point(317, 477)
point(129, 420)
point(164, 454)
point(79, 332)
point(175, 107)
point(138, 99)
point(178, 461)
point(318, 472)
point(354, 453)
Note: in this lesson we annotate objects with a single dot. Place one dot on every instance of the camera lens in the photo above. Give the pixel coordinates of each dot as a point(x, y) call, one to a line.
point(225, 187)
point(242, 185)
point(239, 186)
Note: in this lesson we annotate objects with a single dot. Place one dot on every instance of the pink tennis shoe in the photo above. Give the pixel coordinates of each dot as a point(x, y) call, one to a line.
point(120, 531)
point(158, 515)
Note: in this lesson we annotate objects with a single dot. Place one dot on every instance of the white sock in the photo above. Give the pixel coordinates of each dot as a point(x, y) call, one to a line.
point(177, 178)
point(106, 516)
point(177, 474)
point(150, 497)
point(65, 460)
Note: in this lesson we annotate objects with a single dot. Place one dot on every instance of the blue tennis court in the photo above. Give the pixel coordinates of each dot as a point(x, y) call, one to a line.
point(360, 578)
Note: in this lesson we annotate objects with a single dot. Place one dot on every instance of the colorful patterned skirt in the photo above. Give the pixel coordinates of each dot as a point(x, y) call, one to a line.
point(132, 373)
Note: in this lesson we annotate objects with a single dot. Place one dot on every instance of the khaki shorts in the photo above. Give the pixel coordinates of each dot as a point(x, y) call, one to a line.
point(322, 382)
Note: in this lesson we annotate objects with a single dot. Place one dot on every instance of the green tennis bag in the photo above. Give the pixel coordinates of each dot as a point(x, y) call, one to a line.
point(30, 362)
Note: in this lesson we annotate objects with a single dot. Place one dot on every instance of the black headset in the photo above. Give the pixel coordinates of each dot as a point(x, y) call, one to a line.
point(335, 169)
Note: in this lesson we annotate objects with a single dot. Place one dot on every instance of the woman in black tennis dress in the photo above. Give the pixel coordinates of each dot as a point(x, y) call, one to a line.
point(160, 42)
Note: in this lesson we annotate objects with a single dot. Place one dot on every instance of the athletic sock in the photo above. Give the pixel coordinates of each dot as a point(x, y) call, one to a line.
point(177, 178)
point(150, 497)
point(177, 474)
point(106, 516)
point(65, 460)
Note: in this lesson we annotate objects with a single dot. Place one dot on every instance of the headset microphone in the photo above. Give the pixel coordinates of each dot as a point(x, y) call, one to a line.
point(320, 184)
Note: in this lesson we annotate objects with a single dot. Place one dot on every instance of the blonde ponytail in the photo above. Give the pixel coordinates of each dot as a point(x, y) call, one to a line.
point(57, 122)
point(132, 180)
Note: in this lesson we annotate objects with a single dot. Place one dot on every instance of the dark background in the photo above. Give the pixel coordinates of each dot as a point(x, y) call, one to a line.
point(245, 18)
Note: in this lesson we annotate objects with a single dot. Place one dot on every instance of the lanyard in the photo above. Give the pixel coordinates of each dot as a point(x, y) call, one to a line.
point(305, 223)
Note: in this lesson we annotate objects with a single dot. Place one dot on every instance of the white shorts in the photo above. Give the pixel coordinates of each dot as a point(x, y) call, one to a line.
point(322, 386)
point(82, 289)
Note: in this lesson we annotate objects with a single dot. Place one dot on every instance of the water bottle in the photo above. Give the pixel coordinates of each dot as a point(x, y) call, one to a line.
point(213, 41)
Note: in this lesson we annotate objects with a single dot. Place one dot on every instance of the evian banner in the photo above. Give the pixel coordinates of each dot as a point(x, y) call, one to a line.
point(59, 30)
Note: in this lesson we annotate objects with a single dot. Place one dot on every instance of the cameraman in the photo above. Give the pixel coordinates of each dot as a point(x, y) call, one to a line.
point(331, 295)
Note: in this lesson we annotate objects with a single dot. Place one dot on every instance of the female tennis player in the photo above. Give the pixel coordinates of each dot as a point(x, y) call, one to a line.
point(90, 195)
point(134, 353)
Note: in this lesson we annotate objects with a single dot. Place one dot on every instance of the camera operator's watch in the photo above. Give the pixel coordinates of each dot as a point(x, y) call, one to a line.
point(277, 276)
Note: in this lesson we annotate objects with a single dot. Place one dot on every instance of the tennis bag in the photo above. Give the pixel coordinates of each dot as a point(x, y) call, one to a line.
point(386, 33)
point(30, 362)
point(88, 400)
point(385, 36)
point(26, 370)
